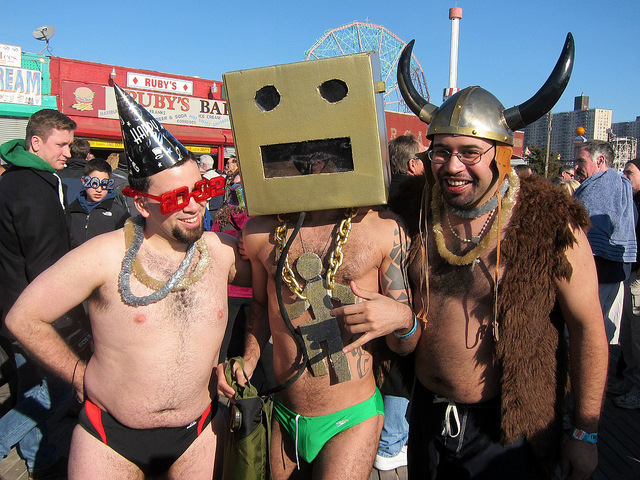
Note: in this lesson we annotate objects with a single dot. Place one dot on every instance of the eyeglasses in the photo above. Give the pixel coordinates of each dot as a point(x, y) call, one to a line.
point(468, 157)
point(96, 183)
point(180, 197)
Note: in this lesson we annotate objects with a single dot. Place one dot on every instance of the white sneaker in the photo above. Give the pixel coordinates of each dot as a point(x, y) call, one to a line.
point(630, 400)
point(391, 463)
point(622, 387)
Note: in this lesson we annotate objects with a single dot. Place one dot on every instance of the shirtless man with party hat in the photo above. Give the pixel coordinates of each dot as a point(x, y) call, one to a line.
point(156, 295)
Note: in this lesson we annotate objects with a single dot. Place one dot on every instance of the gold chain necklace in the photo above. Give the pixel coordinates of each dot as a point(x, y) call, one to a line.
point(144, 278)
point(342, 234)
point(472, 256)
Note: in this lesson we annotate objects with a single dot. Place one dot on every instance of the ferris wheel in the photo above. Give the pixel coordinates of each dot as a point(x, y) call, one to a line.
point(359, 37)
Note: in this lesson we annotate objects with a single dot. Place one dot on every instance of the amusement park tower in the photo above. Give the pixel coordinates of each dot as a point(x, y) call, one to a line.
point(455, 14)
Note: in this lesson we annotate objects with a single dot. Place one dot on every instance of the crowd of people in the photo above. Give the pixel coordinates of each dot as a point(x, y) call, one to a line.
point(438, 332)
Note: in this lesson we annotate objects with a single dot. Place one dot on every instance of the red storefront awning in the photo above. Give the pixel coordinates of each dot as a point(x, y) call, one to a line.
point(109, 129)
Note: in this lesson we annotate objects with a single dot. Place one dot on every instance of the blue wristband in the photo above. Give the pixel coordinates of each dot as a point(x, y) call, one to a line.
point(584, 436)
point(407, 335)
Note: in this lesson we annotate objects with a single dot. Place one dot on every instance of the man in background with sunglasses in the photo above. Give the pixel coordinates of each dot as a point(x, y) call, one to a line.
point(94, 211)
point(565, 172)
point(500, 265)
point(157, 298)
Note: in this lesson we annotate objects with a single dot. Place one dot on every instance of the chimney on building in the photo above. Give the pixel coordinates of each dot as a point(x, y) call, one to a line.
point(581, 103)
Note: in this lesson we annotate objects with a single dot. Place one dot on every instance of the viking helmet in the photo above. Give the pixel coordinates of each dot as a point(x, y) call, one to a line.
point(477, 113)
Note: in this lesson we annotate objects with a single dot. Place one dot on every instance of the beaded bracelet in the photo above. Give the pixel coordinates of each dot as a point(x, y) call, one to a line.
point(407, 335)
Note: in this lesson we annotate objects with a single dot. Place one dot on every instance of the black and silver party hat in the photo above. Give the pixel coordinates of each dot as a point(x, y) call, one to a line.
point(150, 148)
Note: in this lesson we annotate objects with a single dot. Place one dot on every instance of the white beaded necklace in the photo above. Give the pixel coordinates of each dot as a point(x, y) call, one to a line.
point(473, 256)
point(475, 238)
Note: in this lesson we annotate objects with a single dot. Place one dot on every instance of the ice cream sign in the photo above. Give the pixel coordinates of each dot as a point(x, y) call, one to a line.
point(18, 85)
point(21, 86)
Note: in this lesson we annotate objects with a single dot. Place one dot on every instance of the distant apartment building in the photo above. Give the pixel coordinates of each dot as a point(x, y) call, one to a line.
point(628, 130)
point(596, 122)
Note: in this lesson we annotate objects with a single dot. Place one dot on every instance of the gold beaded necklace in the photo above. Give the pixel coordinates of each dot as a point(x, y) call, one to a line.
point(472, 256)
point(342, 234)
point(154, 284)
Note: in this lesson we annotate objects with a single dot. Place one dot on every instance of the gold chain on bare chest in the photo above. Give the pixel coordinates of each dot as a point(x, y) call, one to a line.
point(335, 260)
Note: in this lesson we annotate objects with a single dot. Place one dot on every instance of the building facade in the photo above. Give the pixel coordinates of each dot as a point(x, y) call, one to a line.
point(191, 108)
point(596, 122)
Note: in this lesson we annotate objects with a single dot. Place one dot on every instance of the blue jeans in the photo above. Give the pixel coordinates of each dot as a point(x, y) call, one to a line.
point(39, 395)
point(395, 430)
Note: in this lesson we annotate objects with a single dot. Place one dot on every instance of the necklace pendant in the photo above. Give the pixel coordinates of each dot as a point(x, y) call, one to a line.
point(476, 239)
point(474, 263)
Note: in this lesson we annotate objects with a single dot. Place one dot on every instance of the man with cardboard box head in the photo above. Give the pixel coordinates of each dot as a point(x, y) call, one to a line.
point(310, 138)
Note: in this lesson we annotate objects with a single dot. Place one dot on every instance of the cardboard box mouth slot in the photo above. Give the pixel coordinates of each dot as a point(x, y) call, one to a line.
point(309, 157)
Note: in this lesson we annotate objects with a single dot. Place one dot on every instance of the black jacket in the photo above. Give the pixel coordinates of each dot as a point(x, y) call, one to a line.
point(105, 217)
point(636, 201)
point(33, 230)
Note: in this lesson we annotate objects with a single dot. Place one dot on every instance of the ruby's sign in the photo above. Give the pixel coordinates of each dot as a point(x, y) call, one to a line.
point(90, 100)
point(159, 84)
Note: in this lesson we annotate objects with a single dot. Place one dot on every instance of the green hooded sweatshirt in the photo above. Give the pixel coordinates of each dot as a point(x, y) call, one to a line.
point(15, 153)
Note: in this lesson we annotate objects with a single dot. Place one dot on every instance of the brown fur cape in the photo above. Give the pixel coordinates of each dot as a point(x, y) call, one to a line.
point(531, 351)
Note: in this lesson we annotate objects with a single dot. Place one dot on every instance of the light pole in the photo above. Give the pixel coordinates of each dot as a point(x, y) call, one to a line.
point(546, 157)
point(579, 139)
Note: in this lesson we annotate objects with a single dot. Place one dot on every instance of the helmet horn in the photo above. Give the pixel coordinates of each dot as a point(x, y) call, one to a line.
point(528, 112)
point(418, 105)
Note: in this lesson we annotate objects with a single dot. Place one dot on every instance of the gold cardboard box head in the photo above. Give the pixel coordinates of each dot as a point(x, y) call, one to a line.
point(310, 135)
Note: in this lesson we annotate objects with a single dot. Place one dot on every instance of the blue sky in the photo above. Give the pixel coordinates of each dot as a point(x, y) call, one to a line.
point(507, 47)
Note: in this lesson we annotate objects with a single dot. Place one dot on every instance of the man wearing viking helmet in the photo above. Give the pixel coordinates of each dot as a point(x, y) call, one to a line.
point(156, 295)
point(499, 266)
